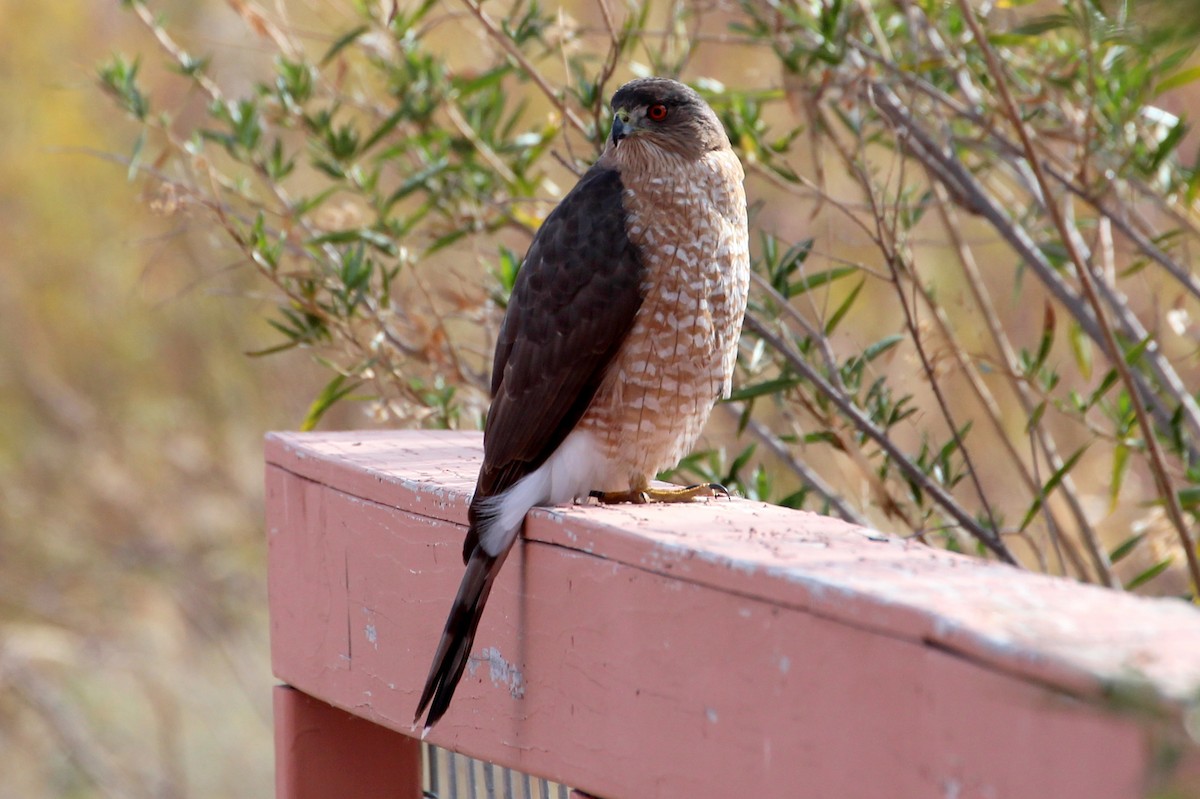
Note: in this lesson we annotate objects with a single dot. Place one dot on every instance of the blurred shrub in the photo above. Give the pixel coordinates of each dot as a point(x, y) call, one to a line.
point(993, 347)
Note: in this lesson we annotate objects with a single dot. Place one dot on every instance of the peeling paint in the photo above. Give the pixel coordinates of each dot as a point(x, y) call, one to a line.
point(500, 670)
point(711, 715)
point(372, 638)
point(785, 664)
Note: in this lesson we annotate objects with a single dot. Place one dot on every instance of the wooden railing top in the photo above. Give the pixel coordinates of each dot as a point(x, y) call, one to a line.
point(1072, 640)
point(1080, 638)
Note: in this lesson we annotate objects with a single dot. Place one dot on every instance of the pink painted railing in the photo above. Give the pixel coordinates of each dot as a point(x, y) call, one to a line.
point(716, 649)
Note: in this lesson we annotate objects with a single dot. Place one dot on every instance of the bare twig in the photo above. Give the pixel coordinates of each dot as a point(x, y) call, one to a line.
point(527, 66)
point(1088, 285)
point(807, 476)
point(991, 320)
point(988, 538)
point(969, 194)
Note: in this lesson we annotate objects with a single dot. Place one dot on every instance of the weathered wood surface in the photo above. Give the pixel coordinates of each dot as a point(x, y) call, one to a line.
point(722, 648)
point(322, 751)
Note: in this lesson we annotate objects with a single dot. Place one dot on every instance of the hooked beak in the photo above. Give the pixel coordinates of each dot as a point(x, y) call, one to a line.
point(621, 127)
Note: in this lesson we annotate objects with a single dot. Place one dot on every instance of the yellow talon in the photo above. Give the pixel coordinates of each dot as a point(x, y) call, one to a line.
point(640, 496)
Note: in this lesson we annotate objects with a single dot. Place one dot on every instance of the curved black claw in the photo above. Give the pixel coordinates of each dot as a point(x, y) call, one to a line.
point(716, 488)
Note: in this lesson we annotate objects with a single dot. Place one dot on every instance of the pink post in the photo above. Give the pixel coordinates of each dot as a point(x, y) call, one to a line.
point(322, 752)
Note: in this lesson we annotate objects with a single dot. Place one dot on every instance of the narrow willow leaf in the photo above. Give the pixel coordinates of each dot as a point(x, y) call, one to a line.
point(1127, 546)
point(1181, 78)
point(384, 128)
point(843, 309)
point(306, 204)
point(445, 240)
point(1048, 325)
point(334, 390)
point(1035, 418)
point(1148, 574)
point(1119, 469)
point(1134, 353)
point(740, 462)
point(1081, 348)
point(135, 158)
point(1110, 380)
point(766, 387)
point(284, 347)
point(880, 347)
point(365, 235)
point(1189, 497)
point(1051, 485)
point(1168, 144)
point(342, 42)
point(810, 282)
point(744, 418)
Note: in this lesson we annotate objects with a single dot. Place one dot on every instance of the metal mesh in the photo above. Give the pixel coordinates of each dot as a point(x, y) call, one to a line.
point(449, 775)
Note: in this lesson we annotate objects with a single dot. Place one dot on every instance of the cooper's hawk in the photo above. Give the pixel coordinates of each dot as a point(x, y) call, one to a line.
point(620, 336)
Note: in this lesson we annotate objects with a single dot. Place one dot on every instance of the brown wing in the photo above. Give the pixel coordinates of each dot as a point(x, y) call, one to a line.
point(573, 304)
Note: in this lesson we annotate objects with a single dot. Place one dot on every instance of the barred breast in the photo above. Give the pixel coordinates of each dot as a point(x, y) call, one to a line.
point(690, 230)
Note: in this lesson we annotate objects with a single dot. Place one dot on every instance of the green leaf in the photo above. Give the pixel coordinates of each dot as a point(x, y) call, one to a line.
point(1051, 485)
point(1134, 353)
point(1081, 348)
point(135, 158)
point(384, 128)
point(1120, 467)
point(306, 204)
point(1125, 547)
point(1180, 78)
point(739, 463)
point(120, 78)
point(342, 42)
point(1148, 574)
point(416, 181)
point(775, 386)
point(844, 308)
point(284, 347)
point(1167, 145)
point(1047, 341)
point(1036, 417)
point(884, 344)
point(334, 390)
point(376, 239)
point(446, 240)
point(1189, 497)
point(1110, 379)
point(810, 282)
point(1040, 25)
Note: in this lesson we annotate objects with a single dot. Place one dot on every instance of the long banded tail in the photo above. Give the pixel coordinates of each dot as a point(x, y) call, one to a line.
point(459, 635)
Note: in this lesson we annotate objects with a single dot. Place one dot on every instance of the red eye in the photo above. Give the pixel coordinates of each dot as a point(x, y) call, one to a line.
point(657, 112)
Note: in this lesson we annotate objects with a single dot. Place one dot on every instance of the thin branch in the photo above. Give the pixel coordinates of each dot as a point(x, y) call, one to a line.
point(1143, 243)
point(527, 66)
point(969, 194)
point(863, 424)
point(1088, 284)
point(807, 476)
point(1000, 340)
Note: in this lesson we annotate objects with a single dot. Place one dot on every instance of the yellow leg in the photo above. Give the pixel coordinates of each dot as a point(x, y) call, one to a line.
point(640, 495)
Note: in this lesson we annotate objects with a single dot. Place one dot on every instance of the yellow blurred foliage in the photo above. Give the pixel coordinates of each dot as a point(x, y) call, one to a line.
point(133, 638)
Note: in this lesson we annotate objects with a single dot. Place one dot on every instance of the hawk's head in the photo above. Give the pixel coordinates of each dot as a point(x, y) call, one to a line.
point(666, 114)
